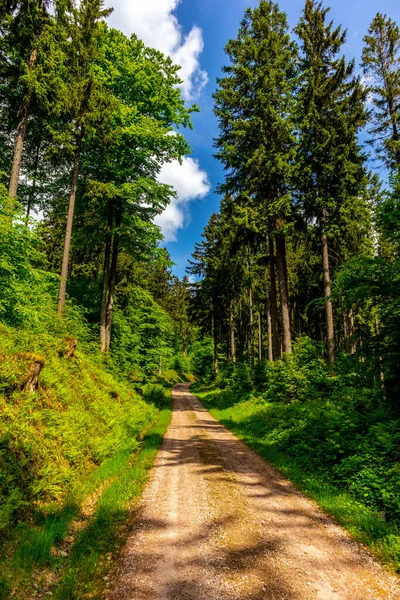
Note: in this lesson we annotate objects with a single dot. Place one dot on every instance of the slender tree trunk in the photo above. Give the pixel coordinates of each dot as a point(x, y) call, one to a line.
point(68, 231)
point(241, 337)
point(330, 333)
point(112, 279)
point(348, 326)
point(259, 337)
point(251, 328)
point(274, 303)
point(380, 358)
point(21, 129)
point(232, 332)
point(216, 369)
point(33, 190)
point(353, 345)
point(106, 282)
point(160, 367)
point(269, 325)
point(283, 289)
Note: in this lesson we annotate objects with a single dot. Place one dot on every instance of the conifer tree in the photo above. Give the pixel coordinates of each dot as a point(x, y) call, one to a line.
point(256, 143)
point(381, 63)
point(330, 112)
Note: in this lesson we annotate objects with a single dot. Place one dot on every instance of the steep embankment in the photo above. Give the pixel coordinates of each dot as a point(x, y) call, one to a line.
point(72, 459)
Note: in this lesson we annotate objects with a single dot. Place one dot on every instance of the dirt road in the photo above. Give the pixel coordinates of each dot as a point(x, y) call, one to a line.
point(216, 522)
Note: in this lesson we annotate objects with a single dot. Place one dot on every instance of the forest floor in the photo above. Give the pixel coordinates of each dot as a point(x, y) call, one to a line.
point(217, 522)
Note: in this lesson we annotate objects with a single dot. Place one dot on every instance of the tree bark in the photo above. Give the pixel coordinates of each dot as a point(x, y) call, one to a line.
point(106, 282)
point(68, 231)
point(112, 280)
point(232, 332)
point(21, 129)
point(259, 337)
point(269, 325)
point(33, 190)
point(251, 328)
point(283, 290)
point(274, 304)
point(216, 369)
point(330, 332)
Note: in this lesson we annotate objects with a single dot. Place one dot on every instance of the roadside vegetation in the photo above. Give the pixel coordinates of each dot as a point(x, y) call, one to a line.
point(298, 291)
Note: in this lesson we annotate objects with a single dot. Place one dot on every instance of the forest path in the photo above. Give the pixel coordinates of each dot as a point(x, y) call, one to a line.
point(216, 522)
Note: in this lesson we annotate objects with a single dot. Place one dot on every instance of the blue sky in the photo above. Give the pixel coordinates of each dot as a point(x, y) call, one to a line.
point(194, 33)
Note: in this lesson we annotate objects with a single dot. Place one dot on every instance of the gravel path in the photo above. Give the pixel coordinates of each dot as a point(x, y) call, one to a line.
point(217, 523)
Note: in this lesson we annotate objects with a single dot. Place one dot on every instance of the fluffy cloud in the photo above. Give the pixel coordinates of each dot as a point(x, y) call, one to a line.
point(189, 182)
point(155, 23)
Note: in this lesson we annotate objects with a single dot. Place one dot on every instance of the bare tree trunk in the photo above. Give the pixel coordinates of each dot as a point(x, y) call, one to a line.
point(269, 325)
point(273, 303)
point(330, 333)
point(283, 289)
point(160, 367)
point(106, 283)
point(68, 231)
point(380, 358)
point(240, 336)
point(259, 337)
point(21, 129)
point(33, 190)
point(353, 345)
point(232, 332)
point(113, 279)
point(216, 369)
point(348, 327)
point(251, 328)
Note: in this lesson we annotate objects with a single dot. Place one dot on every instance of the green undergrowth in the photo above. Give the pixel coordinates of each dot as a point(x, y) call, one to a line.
point(72, 454)
point(68, 551)
point(334, 455)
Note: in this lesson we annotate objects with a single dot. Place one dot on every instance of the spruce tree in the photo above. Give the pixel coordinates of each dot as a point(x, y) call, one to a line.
point(256, 142)
point(381, 64)
point(330, 112)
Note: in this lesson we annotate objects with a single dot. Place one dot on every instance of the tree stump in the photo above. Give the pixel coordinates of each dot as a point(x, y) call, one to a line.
point(30, 379)
point(71, 343)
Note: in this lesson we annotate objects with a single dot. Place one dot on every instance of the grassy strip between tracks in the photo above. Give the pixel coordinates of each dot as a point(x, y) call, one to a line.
point(364, 525)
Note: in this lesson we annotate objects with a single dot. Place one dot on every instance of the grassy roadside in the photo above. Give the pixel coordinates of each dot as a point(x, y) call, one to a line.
point(364, 524)
point(69, 555)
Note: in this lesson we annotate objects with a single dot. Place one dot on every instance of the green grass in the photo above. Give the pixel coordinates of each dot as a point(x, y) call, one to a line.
point(88, 564)
point(245, 419)
point(36, 561)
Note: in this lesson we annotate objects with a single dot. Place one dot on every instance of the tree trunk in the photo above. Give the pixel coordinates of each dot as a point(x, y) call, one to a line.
point(21, 129)
point(269, 325)
point(33, 190)
point(106, 283)
point(283, 289)
point(232, 332)
point(68, 231)
point(112, 280)
point(380, 358)
point(330, 333)
point(273, 303)
point(251, 328)
point(259, 337)
point(215, 344)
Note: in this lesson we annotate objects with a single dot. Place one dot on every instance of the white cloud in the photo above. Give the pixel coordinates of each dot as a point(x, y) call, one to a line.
point(155, 22)
point(190, 182)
